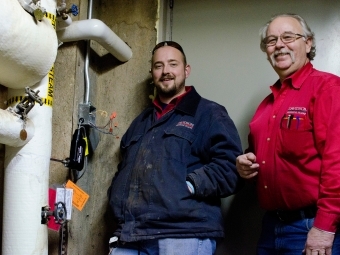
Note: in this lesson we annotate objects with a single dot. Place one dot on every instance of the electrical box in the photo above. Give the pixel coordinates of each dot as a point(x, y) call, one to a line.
point(87, 113)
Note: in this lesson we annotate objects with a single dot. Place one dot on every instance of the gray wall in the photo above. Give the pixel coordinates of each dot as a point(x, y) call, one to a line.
point(115, 87)
point(221, 41)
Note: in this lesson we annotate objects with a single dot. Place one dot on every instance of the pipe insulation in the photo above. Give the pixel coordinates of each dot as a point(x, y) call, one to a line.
point(27, 46)
point(11, 125)
point(26, 178)
point(26, 184)
point(94, 29)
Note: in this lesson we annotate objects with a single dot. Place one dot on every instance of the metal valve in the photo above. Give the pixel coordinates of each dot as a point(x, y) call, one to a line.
point(62, 11)
point(59, 213)
point(74, 10)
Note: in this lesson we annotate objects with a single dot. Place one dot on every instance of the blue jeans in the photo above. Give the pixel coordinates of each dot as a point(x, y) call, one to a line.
point(278, 238)
point(167, 246)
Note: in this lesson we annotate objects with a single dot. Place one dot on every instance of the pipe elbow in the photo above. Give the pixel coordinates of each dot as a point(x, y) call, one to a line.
point(97, 27)
point(94, 29)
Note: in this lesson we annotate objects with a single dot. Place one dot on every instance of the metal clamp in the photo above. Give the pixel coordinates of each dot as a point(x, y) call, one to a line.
point(28, 102)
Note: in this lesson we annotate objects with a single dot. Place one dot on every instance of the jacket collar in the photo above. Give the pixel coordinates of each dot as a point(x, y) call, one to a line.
point(187, 105)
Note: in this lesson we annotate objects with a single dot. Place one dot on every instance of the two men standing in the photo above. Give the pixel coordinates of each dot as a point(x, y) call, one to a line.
point(179, 157)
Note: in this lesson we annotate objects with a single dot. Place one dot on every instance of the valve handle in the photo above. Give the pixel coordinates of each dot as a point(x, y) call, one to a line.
point(74, 10)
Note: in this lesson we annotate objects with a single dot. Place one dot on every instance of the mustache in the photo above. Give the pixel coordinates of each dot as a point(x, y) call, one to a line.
point(167, 76)
point(281, 51)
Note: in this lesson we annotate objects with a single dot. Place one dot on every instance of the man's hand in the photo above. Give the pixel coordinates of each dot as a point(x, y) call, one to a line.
point(318, 242)
point(246, 166)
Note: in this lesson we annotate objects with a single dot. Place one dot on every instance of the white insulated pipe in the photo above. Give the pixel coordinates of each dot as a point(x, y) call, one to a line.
point(26, 184)
point(27, 47)
point(26, 178)
point(26, 58)
point(11, 126)
point(94, 29)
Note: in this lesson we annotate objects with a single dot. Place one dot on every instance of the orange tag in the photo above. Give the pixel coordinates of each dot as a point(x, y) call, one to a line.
point(79, 196)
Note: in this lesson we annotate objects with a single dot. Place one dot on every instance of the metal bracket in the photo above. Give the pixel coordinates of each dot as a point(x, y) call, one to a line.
point(28, 102)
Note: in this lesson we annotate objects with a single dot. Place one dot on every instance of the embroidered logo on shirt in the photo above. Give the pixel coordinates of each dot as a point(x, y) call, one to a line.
point(294, 119)
point(297, 110)
point(185, 124)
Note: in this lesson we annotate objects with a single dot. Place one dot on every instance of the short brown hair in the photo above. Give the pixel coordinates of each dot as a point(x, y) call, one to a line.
point(171, 44)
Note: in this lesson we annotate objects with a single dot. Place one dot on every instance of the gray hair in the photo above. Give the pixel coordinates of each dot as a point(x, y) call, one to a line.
point(306, 30)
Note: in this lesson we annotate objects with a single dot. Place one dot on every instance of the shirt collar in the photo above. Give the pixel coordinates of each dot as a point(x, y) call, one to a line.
point(300, 75)
point(174, 102)
point(296, 79)
point(187, 106)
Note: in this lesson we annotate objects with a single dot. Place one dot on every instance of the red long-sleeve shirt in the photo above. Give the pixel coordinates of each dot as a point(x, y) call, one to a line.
point(295, 135)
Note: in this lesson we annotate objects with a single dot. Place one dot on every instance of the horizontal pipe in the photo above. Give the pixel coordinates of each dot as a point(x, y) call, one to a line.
point(94, 29)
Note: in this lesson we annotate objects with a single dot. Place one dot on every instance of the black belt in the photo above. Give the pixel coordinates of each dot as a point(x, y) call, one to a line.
point(290, 216)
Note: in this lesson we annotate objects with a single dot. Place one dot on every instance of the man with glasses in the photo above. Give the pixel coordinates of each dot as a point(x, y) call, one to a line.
point(294, 152)
point(178, 160)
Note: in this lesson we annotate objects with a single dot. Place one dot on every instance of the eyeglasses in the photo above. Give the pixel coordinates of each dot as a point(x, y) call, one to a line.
point(168, 43)
point(286, 37)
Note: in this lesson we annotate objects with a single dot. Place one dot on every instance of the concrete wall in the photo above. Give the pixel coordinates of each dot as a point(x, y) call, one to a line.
point(115, 87)
point(123, 88)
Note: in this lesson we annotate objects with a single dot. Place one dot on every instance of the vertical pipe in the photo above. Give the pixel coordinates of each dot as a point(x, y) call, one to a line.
point(87, 57)
point(27, 173)
point(26, 183)
point(86, 73)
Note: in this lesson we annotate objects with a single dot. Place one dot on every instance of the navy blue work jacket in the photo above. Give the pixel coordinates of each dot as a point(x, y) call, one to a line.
point(197, 142)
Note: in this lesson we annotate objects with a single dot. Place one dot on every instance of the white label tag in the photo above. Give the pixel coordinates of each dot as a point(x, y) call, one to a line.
point(66, 198)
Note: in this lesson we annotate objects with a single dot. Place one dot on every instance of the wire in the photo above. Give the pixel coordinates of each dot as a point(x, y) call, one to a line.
point(109, 125)
point(83, 171)
point(101, 131)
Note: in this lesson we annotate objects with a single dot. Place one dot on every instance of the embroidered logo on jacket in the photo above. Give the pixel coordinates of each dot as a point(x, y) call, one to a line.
point(185, 124)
